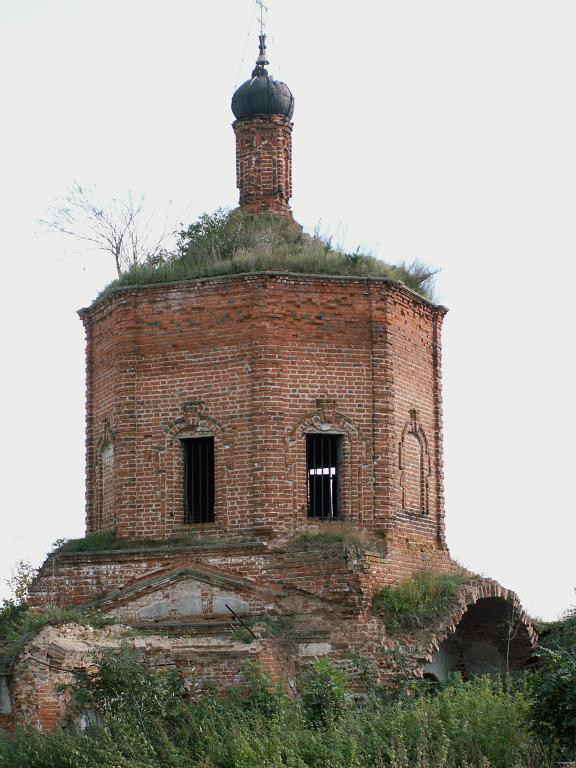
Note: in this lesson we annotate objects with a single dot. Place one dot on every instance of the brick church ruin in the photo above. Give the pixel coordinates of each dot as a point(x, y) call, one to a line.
point(234, 422)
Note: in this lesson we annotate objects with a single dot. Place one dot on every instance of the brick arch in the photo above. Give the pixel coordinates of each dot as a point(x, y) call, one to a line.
point(202, 425)
point(356, 497)
point(194, 423)
point(481, 615)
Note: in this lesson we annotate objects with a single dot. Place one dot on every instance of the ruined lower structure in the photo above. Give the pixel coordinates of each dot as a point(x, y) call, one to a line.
point(299, 602)
point(271, 444)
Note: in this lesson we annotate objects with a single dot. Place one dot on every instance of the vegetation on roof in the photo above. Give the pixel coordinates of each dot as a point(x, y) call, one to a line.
point(337, 532)
point(418, 600)
point(105, 542)
point(233, 242)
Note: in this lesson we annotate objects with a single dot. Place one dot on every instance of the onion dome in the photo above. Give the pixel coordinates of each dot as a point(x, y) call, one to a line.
point(262, 96)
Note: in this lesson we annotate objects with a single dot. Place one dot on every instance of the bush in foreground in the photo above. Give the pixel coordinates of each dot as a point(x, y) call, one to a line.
point(554, 684)
point(145, 722)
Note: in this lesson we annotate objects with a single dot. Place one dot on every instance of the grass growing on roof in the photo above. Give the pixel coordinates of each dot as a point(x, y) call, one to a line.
point(103, 542)
point(232, 242)
point(335, 532)
point(418, 600)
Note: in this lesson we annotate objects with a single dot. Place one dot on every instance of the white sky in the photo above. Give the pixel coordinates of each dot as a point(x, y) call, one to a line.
point(443, 131)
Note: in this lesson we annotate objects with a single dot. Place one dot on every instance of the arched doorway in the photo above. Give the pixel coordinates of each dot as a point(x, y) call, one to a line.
point(493, 636)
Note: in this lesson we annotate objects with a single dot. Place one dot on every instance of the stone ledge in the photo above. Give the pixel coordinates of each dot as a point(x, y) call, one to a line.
point(243, 276)
point(209, 546)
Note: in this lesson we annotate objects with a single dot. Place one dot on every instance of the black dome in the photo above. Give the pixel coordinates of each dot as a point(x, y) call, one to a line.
point(262, 96)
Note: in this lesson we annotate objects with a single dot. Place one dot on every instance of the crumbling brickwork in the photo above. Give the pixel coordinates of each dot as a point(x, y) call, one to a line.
point(305, 604)
point(264, 164)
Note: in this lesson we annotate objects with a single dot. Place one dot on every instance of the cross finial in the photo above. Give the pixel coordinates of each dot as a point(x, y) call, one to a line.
point(261, 61)
point(260, 4)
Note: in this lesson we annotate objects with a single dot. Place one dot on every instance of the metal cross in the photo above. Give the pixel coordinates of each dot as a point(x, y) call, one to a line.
point(260, 4)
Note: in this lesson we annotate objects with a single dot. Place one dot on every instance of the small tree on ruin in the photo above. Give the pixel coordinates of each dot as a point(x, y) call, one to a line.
point(129, 229)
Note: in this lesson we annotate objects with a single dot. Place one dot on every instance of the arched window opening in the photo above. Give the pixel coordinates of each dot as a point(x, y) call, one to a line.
point(199, 491)
point(323, 454)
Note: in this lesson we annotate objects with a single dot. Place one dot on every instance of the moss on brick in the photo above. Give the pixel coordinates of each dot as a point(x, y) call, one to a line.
point(20, 623)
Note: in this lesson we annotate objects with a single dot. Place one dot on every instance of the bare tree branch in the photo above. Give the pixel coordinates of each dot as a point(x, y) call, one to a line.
point(126, 229)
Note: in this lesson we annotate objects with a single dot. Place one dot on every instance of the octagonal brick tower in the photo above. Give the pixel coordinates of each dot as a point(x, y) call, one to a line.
point(256, 406)
point(259, 364)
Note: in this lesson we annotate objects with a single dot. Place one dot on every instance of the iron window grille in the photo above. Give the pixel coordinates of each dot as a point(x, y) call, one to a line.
point(198, 454)
point(322, 469)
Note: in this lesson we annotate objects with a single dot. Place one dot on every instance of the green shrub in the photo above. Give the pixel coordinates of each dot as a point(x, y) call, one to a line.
point(323, 691)
point(558, 634)
point(233, 242)
point(554, 687)
point(146, 722)
point(125, 686)
point(554, 683)
point(418, 600)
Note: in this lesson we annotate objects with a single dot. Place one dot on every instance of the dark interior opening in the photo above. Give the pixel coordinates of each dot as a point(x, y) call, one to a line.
point(198, 479)
point(322, 463)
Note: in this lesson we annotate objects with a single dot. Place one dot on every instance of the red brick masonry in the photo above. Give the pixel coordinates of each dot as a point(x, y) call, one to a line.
point(258, 361)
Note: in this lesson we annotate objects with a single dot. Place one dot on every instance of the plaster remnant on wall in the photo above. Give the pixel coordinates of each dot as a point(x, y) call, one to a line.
point(222, 599)
point(157, 610)
point(189, 603)
point(314, 649)
point(5, 702)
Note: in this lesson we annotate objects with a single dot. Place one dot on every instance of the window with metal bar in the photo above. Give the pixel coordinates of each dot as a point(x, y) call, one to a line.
point(322, 461)
point(198, 455)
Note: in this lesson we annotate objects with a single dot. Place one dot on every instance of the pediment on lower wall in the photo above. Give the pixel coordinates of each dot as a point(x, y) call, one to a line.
point(187, 594)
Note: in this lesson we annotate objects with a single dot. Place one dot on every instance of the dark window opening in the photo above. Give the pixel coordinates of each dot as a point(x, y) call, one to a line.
point(198, 479)
point(322, 460)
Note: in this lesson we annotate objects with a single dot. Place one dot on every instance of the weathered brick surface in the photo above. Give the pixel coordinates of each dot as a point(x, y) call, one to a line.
point(339, 624)
point(258, 361)
point(264, 164)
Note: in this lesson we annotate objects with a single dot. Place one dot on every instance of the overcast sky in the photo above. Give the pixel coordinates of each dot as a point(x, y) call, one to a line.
point(436, 130)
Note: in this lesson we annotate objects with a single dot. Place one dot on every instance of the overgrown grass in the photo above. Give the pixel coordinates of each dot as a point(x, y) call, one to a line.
point(145, 722)
point(103, 542)
point(232, 242)
point(419, 600)
point(338, 533)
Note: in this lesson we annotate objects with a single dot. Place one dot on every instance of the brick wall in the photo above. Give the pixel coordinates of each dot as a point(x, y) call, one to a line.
point(333, 572)
point(264, 164)
point(339, 625)
point(258, 362)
